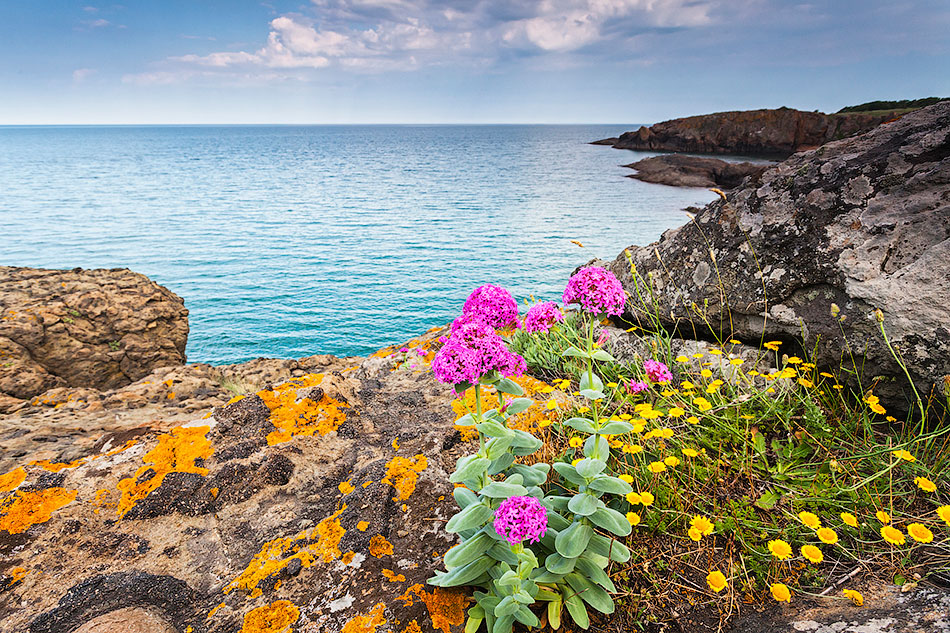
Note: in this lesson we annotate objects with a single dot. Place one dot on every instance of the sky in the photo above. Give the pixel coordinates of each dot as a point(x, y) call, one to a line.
point(460, 61)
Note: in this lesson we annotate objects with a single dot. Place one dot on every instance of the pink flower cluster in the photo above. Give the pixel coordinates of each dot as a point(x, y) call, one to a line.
point(473, 350)
point(657, 371)
point(542, 316)
point(596, 289)
point(492, 305)
point(636, 386)
point(521, 519)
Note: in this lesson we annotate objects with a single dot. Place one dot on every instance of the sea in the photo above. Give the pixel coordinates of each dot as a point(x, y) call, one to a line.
point(287, 241)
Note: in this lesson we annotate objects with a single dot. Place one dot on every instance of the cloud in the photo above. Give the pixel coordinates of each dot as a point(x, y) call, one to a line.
point(81, 74)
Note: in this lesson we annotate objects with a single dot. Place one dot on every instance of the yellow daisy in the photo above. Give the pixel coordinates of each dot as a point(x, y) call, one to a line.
point(671, 461)
point(810, 519)
point(694, 534)
point(827, 535)
point(716, 581)
point(780, 549)
point(920, 533)
point(633, 518)
point(656, 467)
point(812, 553)
point(780, 592)
point(925, 484)
point(944, 513)
point(883, 517)
point(849, 519)
point(703, 524)
point(646, 498)
point(902, 454)
point(854, 596)
point(892, 535)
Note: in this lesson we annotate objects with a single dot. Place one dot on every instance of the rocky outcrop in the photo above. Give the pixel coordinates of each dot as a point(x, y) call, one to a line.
point(778, 132)
point(814, 246)
point(99, 329)
point(679, 170)
point(312, 505)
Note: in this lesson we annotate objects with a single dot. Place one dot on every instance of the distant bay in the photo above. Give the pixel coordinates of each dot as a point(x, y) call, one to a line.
point(287, 241)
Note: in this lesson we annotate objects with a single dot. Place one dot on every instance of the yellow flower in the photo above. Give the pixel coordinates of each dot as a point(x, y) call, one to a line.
point(632, 449)
point(702, 403)
point(548, 389)
point(772, 345)
point(716, 581)
point(780, 549)
point(812, 553)
point(638, 428)
point(625, 477)
point(944, 513)
point(551, 404)
point(810, 519)
point(849, 519)
point(651, 414)
point(577, 461)
point(854, 596)
point(780, 592)
point(715, 352)
point(633, 498)
point(575, 442)
point(735, 342)
point(675, 412)
point(736, 361)
point(892, 535)
point(656, 467)
point(690, 452)
point(611, 384)
point(920, 533)
point(883, 517)
point(692, 419)
point(694, 534)
point(712, 388)
point(633, 518)
point(646, 498)
point(805, 383)
point(705, 373)
point(925, 484)
point(878, 409)
point(703, 524)
point(665, 433)
point(698, 355)
point(794, 360)
point(682, 359)
point(827, 535)
point(671, 461)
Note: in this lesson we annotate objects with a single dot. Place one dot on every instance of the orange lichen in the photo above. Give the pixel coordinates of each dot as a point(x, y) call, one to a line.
point(402, 474)
point(412, 627)
point(392, 576)
point(362, 525)
point(366, 623)
point(347, 558)
point(276, 617)
point(12, 479)
point(16, 575)
point(214, 493)
point(292, 416)
point(46, 464)
point(407, 596)
point(446, 607)
point(346, 487)
point(329, 533)
point(213, 611)
point(102, 500)
point(379, 546)
point(176, 451)
point(22, 509)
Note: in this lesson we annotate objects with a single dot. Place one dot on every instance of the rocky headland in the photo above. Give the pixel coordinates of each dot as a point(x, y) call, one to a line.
point(771, 132)
point(679, 170)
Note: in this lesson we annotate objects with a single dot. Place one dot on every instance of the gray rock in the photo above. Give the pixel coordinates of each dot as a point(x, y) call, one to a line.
point(680, 170)
point(854, 226)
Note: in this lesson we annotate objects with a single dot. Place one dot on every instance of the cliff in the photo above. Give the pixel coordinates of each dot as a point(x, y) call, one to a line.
point(778, 132)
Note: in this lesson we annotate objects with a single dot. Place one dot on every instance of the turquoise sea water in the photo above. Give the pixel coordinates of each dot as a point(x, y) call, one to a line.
point(286, 241)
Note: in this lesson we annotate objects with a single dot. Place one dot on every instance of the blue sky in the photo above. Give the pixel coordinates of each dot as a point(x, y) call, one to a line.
point(483, 61)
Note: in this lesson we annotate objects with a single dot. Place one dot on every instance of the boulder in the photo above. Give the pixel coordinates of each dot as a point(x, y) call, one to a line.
point(812, 248)
point(768, 132)
point(84, 328)
point(680, 170)
point(317, 504)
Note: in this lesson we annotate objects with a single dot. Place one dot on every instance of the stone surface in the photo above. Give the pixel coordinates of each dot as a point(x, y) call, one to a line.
point(84, 328)
point(777, 132)
point(856, 225)
point(679, 170)
point(318, 503)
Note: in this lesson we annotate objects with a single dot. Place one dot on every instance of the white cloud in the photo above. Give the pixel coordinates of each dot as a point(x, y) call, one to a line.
point(81, 74)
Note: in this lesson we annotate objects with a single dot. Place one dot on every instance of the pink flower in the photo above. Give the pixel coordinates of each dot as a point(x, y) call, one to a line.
point(521, 519)
point(657, 371)
point(473, 350)
point(541, 317)
point(636, 387)
point(596, 289)
point(493, 305)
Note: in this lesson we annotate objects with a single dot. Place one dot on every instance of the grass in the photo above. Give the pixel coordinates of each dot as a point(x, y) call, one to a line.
point(750, 445)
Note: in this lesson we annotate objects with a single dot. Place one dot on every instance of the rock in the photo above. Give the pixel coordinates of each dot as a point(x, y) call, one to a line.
point(319, 504)
point(84, 328)
point(817, 243)
point(605, 141)
point(778, 132)
point(679, 170)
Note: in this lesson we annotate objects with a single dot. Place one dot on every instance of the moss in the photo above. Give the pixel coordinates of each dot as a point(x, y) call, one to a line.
point(176, 451)
point(21, 510)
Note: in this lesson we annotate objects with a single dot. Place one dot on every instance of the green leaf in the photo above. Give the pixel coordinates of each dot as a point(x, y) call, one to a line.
point(532, 476)
point(614, 549)
point(572, 542)
point(473, 623)
point(617, 427)
point(603, 483)
point(768, 500)
point(595, 573)
point(464, 497)
point(518, 405)
point(555, 520)
point(501, 551)
point(556, 503)
point(503, 490)
point(574, 352)
point(583, 504)
point(590, 380)
point(554, 614)
point(526, 617)
point(464, 553)
point(501, 464)
point(506, 385)
point(503, 624)
point(759, 441)
point(472, 517)
point(589, 467)
point(524, 443)
point(602, 355)
point(575, 606)
point(597, 446)
point(497, 446)
point(557, 564)
point(592, 594)
point(611, 520)
point(466, 420)
point(507, 606)
point(465, 574)
point(582, 424)
point(493, 428)
point(592, 394)
point(569, 472)
point(545, 576)
point(470, 468)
